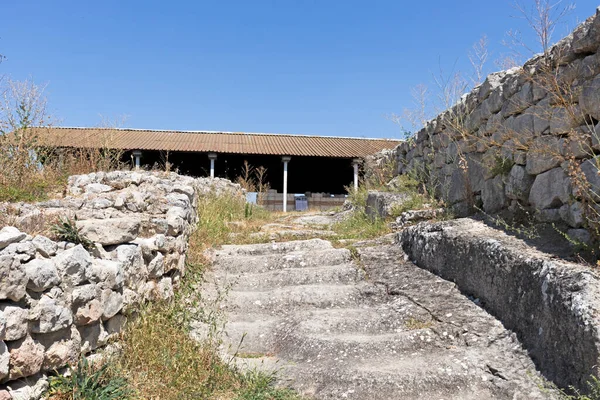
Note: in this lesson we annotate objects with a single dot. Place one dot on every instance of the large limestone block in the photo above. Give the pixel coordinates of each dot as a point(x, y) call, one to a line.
point(49, 315)
point(44, 246)
point(110, 231)
point(493, 195)
point(2, 325)
point(589, 99)
point(112, 303)
point(4, 360)
point(41, 274)
point(10, 234)
point(592, 174)
point(26, 357)
point(106, 273)
point(72, 264)
point(543, 155)
point(17, 321)
point(61, 348)
point(92, 337)
point(13, 280)
point(550, 189)
point(86, 305)
point(519, 184)
point(381, 204)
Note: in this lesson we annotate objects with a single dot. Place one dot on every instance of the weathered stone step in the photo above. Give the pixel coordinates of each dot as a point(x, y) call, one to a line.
point(400, 316)
point(293, 298)
point(271, 248)
point(269, 262)
point(446, 374)
point(334, 274)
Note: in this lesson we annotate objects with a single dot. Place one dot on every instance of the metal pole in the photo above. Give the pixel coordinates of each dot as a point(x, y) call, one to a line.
point(285, 165)
point(355, 176)
point(285, 160)
point(212, 168)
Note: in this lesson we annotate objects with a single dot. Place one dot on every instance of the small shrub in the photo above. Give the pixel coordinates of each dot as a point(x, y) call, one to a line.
point(90, 382)
point(66, 229)
point(502, 166)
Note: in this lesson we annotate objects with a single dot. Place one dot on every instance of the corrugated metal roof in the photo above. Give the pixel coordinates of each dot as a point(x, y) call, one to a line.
point(218, 142)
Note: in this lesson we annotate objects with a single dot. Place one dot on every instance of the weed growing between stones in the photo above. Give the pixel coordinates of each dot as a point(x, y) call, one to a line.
point(90, 381)
point(65, 229)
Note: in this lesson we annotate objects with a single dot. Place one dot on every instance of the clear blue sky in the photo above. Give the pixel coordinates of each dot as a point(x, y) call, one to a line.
point(325, 67)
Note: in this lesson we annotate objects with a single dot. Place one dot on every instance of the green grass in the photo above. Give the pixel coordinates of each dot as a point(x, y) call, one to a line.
point(359, 226)
point(90, 382)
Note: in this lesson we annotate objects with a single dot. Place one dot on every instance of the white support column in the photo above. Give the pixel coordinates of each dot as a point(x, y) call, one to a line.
point(212, 157)
point(355, 163)
point(137, 154)
point(285, 160)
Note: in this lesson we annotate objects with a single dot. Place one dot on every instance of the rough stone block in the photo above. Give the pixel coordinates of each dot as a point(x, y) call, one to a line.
point(550, 189)
point(110, 231)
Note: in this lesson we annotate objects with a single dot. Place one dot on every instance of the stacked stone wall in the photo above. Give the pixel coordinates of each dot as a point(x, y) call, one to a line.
point(59, 300)
point(523, 139)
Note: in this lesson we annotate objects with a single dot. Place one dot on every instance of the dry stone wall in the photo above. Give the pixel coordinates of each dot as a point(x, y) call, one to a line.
point(58, 299)
point(523, 138)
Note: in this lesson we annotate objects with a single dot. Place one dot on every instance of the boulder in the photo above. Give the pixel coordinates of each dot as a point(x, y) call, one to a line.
point(519, 184)
point(493, 195)
point(46, 247)
point(382, 204)
point(592, 174)
point(85, 304)
point(10, 234)
point(49, 315)
point(589, 98)
point(112, 303)
point(550, 189)
point(92, 337)
point(4, 361)
point(13, 280)
point(72, 264)
point(106, 273)
point(2, 325)
point(572, 214)
point(110, 231)
point(17, 321)
point(41, 274)
point(26, 357)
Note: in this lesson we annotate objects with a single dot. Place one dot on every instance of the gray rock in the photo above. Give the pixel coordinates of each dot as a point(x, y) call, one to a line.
point(542, 299)
point(72, 264)
point(28, 390)
point(97, 188)
point(382, 204)
point(4, 360)
point(106, 273)
point(10, 234)
point(86, 305)
point(41, 274)
point(115, 325)
point(572, 214)
point(519, 184)
point(92, 337)
point(544, 154)
point(580, 236)
point(112, 303)
point(13, 280)
point(49, 315)
point(26, 357)
point(550, 189)
point(17, 324)
point(592, 174)
point(2, 326)
point(156, 267)
point(45, 246)
point(110, 231)
point(493, 195)
point(589, 99)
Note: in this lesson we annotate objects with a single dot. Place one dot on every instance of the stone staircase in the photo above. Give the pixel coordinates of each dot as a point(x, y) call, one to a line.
point(336, 327)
